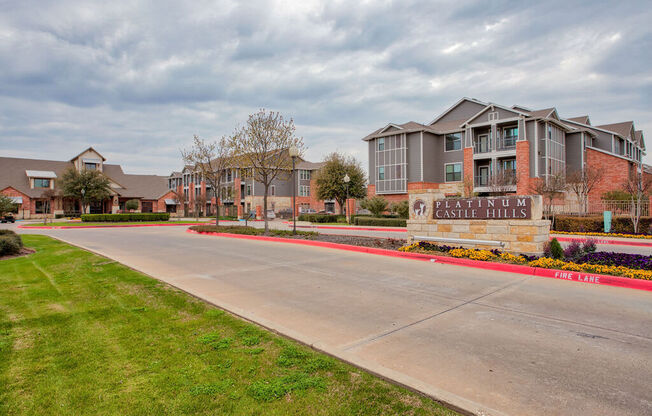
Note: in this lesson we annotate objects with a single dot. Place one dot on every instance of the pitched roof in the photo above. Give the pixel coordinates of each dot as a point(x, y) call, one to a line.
point(12, 174)
point(542, 113)
point(408, 127)
point(305, 165)
point(638, 137)
point(86, 150)
point(622, 129)
point(581, 120)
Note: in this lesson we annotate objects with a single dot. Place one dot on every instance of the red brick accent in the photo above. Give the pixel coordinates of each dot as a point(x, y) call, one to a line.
point(422, 185)
point(27, 201)
point(159, 205)
point(468, 164)
point(371, 190)
point(240, 211)
point(259, 212)
point(236, 194)
point(616, 172)
point(523, 186)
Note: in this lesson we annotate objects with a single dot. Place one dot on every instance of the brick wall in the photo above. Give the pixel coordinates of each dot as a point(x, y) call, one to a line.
point(615, 172)
point(27, 206)
point(468, 164)
point(523, 168)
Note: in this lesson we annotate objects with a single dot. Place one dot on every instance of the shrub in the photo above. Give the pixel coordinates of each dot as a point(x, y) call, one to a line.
point(620, 224)
point(321, 218)
point(589, 246)
point(132, 204)
point(10, 243)
point(376, 204)
point(402, 209)
point(152, 216)
point(616, 196)
point(237, 229)
point(573, 251)
point(381, 222)
point(556, 251)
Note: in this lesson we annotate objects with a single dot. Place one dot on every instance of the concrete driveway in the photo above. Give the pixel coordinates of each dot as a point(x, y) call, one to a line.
point(489, 342)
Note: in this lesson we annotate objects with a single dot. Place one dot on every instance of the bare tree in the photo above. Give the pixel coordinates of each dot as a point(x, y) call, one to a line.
point(200, 205)
point(468, 191)
point(211, 160)
point(180, 196)
point(48, 195)
point(262, 144)
point(581, 182)
point(549, 187)
point(638, 186)
point(502, 182)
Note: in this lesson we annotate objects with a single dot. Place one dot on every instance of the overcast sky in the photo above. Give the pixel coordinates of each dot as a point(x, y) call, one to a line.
point(136, 79)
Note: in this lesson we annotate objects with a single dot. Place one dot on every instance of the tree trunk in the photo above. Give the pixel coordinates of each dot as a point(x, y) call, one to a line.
point(217, 207)
point(265, 210)
point(341, 207)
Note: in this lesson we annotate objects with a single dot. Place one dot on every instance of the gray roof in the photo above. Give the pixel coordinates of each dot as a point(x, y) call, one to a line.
point(12, 174)
point(581, 120)
point(622, 129)
point(305, 165)
point(541, 113)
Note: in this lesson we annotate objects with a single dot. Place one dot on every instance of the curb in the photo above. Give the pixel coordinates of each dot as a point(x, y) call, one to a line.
point(581, 277)
point(606, 241)
point(70, 227)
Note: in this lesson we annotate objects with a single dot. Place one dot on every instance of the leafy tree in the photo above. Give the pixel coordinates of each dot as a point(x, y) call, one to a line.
point(85, 186)
point(132, 204)
point(616, 195)
point(330, 179)
point(556, 250)
point(402, 209)
point(6, 205)
point(376, 204)
point(261, 146)
point(211, 160)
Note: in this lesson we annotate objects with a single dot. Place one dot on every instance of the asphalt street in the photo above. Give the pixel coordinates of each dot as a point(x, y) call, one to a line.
point(491, 342)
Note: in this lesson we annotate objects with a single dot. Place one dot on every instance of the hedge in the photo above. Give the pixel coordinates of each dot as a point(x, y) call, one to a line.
point(10, 243)
point(620, 224)
point(321, 218)
point(382, 222)
point(152, 216)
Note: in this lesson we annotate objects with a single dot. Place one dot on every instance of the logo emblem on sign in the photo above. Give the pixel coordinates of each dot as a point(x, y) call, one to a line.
point(419, 208)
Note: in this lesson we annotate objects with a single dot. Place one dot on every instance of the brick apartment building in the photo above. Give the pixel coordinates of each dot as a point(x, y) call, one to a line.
point(240, 193)
point(473, 143)
point(27, 181)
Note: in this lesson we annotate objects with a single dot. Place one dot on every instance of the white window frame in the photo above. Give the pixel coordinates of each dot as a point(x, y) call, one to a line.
point(460, 141)
point(461, 171)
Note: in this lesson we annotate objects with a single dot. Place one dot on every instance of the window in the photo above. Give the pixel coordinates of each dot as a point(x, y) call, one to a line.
point(90, 166)
point(381, 173)
point(197, 191)
point(493, 116)
point(304, 175)
point(41, 183)
point(273, 190)
point(381, 143)
point(304, 190)
point(453, 172)
point(453, 141)
point(509, 165)
point(510, 136)
point(229, 175)
point(39, 207)
point(248, 190)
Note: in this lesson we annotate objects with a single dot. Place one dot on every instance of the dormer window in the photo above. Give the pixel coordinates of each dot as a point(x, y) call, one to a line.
point(41, 183)
point(493, 116)
point(90, 166)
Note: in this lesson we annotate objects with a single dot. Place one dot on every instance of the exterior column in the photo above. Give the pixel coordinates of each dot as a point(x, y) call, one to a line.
point(523, 168)
point(259, 212)
point(240, 209)
point(468, 166)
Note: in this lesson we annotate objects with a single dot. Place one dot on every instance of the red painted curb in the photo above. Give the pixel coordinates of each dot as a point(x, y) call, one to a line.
point(604, 241)
point(582, 277)
point(70, 227)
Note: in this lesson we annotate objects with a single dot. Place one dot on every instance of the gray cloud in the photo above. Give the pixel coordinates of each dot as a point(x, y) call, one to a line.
point(137, 79)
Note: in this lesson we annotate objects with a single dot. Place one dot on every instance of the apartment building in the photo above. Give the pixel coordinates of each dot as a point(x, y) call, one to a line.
point(240, 193)
point(32, 184)
point(487, 147)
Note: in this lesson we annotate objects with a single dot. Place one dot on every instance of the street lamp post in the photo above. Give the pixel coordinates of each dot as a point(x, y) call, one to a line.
point(347, 179)
point(294, 152)
point(83, 192)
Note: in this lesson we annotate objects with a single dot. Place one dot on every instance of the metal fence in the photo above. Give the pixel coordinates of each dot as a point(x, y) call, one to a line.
point(597, 208)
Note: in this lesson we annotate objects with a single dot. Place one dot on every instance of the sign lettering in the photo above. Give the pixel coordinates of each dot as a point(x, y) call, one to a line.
point(498, 208)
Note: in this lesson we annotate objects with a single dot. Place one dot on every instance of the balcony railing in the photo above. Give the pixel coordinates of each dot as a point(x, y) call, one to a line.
point(499, 179)
point(507, 143)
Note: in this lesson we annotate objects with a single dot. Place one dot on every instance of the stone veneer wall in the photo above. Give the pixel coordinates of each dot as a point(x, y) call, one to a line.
point(519, 236)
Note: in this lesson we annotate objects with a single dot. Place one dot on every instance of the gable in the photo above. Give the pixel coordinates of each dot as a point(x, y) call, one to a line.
point(460, 111)
point(483, 116)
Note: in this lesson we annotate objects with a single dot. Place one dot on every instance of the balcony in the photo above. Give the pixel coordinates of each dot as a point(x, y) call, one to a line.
point(481, 146)
point(501, 182)
point(506, 143)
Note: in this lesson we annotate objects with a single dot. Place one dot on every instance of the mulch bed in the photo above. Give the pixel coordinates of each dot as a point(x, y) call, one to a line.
point(375, 242)
point(23, 252)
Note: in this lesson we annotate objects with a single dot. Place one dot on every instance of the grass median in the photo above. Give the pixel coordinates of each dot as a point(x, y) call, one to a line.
point(81, 334)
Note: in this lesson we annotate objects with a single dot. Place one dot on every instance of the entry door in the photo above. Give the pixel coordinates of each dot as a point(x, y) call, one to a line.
point(483, 172)
point(483, 143)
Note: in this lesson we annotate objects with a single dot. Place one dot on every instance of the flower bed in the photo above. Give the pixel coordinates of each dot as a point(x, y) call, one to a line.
point(634, 266)
point(643, 236)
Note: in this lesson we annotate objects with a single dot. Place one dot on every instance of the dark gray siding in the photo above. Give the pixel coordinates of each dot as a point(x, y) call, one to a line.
point(574, 152)
point(414, 157)
point(464, 111)
point(602, 141)
point(529, 127)
point(502, 114)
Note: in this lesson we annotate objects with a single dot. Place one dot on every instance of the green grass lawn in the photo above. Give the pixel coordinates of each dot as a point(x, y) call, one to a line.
point(84, 335)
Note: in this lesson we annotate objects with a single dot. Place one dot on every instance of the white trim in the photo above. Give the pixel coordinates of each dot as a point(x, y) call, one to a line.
point(590, 127)
point(492, 122)
point(41, 174)
point(390, 125)
point(492, 106)
point(606, 152)
point(449, 109)
point(461, 171)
